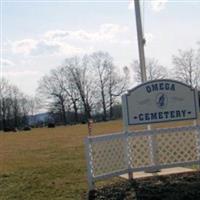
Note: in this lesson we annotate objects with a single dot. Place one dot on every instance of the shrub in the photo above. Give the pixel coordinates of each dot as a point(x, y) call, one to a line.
point(10, 129)
point(51, 125)
point(26, 128)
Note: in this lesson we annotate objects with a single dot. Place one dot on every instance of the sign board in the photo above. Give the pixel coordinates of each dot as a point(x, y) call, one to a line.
point(160, 101)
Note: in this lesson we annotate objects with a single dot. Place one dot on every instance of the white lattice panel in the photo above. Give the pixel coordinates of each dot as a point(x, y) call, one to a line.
point(108, 156)
point(139, 152)
point(111, 155)
point(176, 147)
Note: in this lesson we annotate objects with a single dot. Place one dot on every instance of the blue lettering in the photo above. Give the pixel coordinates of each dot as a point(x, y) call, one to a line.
point(172, 113)
point(173, 87)
point(153, 116)
point(161, 86)
point(178, 113)
point(155, 87)
point(147, 118)
point(148, 89)
point(166, 113)
point(183, 112)
point(141, 118)
point(167, 86)
point(160, 114)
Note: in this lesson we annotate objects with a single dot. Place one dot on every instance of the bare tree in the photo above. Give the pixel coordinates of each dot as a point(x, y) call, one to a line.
point(68, 87)
point(34, 105)
point(117, 84)
point(83, 84)
point(187, 67)
point(51, 88)
point(13, 109)
point(16, 98)
point(71, 89)
point(81, 78)
point(101, 62)
point(110, 82)
point(153, 70)
point(9, 103)
point(4, 86)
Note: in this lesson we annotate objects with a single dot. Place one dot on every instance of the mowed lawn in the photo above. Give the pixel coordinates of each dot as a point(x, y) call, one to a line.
point(47, 163)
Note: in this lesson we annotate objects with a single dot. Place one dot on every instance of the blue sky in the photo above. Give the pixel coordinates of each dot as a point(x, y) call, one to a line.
point(38, 35)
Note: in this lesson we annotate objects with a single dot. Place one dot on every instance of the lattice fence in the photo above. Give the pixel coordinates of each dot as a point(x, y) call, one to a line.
point(108, 156)
point(116, 154)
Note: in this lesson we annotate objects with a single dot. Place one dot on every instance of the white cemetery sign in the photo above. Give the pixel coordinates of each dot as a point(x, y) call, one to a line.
point(151, 102)
point(160, 101)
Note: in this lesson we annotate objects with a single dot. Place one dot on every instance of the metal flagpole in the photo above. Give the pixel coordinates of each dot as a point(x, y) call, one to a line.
point(141, 40)
point(141, 43)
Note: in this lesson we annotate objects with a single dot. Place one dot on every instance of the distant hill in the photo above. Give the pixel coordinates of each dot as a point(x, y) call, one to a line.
point(38, 118)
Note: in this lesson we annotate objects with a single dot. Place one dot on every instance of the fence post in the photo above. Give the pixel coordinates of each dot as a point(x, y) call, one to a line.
point(198, 143)
point(124, 113)
point(125, 123)
point(88, 155)
point(153, 152)
point(127, 156)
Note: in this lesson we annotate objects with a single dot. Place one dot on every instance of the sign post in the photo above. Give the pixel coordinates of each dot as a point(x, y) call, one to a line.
point(124, 113)
point(90, 122)
point(159, 101)
point(141, 40)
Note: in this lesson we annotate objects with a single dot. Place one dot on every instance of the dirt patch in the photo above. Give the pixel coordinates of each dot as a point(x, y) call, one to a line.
point(171, 187)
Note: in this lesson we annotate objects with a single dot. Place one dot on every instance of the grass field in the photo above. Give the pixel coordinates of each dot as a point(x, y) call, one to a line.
point(47, 163)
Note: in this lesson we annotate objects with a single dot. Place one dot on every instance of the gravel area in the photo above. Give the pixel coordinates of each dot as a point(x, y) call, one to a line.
point(171, 187)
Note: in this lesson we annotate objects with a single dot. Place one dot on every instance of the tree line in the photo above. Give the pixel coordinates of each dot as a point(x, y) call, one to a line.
point(15, 106)
point(186, 68)
point(85, 86)
point(89, 87)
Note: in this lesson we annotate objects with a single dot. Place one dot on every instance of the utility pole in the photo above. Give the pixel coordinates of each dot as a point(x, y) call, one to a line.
point(141, 40)
point(141, 43)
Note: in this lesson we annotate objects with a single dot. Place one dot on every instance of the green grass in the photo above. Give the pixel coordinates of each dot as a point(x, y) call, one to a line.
point(46, 163)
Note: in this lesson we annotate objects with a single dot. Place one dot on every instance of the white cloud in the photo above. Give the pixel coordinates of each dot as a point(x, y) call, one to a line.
point(131, 5)
point(105, 32)
point(112, 30)
point(24, 46)
point(59, 41)
point(56, 34)
point(25, 73)
point(44, 47)
point(158, 5)
point(6, 63)
point(71, 50)
point(148, 37)
point(24, 79)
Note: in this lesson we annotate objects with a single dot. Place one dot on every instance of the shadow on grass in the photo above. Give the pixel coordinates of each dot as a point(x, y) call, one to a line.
point(172, 187)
